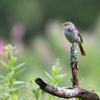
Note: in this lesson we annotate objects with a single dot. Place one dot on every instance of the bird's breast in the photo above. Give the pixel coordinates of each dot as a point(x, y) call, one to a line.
point(72, 36)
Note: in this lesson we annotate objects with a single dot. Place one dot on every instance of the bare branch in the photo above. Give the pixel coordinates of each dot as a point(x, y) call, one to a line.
point(73, 64)
point(66, 93)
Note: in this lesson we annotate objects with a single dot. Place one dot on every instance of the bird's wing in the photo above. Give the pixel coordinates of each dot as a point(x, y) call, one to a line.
point(80, 37)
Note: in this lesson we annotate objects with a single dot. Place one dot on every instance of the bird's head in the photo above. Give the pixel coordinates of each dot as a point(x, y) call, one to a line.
point(68, 24)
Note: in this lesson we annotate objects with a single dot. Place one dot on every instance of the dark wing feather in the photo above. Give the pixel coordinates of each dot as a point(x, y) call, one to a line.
point(80, 37)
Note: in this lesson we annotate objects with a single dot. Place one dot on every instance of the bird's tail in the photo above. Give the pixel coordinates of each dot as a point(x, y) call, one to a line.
point(83, 52)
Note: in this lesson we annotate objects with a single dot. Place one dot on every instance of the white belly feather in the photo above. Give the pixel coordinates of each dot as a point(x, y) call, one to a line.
point(72, 36)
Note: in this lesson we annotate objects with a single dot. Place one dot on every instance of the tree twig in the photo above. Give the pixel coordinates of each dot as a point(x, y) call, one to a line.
point(74, 64)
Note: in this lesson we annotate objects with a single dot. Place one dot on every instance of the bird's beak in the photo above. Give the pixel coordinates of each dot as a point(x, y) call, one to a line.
point(63, 24)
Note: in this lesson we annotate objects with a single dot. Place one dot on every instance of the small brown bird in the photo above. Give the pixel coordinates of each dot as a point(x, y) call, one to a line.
point(73, 36)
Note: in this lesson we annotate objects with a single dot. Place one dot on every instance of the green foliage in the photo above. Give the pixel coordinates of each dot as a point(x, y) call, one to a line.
point(55, 79)
point(7, 89)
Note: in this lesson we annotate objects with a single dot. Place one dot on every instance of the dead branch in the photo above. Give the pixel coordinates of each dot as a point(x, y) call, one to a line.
point(74, 64)
point(66, 93)
point(75, 90)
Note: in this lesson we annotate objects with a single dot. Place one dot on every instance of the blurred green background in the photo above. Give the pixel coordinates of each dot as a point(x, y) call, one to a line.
point(35, 28)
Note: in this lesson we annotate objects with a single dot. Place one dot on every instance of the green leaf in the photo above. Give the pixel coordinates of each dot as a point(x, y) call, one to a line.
point(16, 91)
point(58, 69)
point(55, 66)
point(47, 80)
point(4, 55)
point(37, 91)
point(14, 53)
point(54, 71)
point(2, 76)
point(5, 85)
point(5, 65)
point(15, 97)
point(6, 48)
point(18, 72)
point(49, 75)
point(18, 66)
point(11, 80)
point(77, 98)
point(62, 75)
point(13, 59)
point(56, 81)
point(57, 62)
point(18, 82)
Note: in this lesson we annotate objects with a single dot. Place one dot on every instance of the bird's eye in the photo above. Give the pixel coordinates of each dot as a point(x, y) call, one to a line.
point(67, 23)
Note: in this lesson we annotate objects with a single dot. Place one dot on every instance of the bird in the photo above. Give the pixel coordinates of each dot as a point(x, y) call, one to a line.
point(73, 36)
